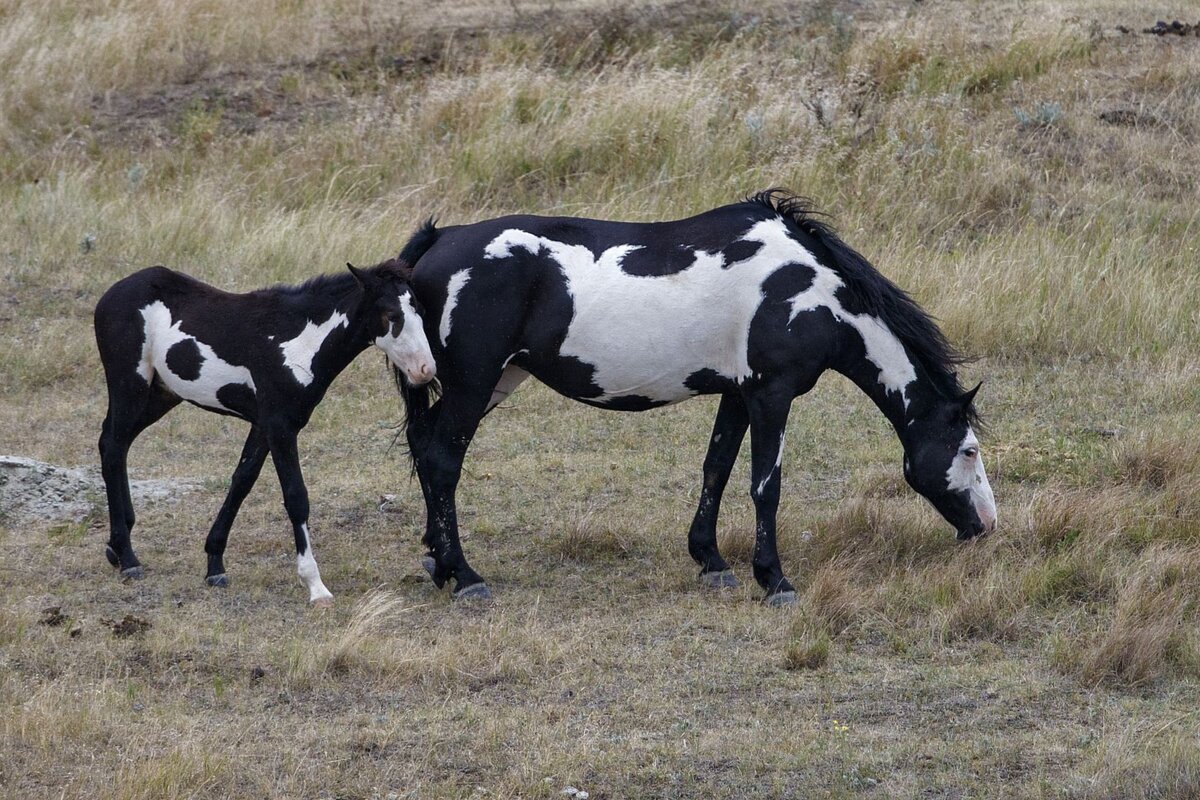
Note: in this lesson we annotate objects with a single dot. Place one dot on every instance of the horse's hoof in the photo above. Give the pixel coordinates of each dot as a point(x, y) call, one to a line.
point(220, 581)
point(133, 573)
point(429, 565)
point(719, 580)
point(322, 603)
point(476, 591)
point(111, 555)
point(780, 599)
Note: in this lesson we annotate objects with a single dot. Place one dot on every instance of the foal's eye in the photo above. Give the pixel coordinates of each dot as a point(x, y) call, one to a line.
point(971, 452)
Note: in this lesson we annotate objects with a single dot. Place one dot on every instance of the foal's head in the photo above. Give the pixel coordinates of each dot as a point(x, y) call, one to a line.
point(394, 321)
point(942, 461)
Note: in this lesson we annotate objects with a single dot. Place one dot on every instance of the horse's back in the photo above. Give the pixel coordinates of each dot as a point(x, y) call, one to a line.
point(616, 313)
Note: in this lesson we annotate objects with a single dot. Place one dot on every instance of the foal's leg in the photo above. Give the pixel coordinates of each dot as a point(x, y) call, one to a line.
point(728, 431)
point(133, 406)
point(768, 411)
point(440, 467)
point(295, 499)
point(254, 453)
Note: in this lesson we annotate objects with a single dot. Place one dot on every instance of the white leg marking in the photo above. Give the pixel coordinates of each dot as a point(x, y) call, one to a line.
point(306, 568)
point(298, 353)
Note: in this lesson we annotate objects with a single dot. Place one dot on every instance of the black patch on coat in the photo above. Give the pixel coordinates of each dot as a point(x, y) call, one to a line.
point(627, 402)
point(740, 251)
point(237, 397)
point(184, 359)
point(709, 381)
point(653, 262)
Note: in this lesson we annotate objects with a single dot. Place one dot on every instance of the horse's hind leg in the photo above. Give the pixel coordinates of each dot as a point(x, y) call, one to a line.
point(728, 431)
point(254, 453)
point(133, 406)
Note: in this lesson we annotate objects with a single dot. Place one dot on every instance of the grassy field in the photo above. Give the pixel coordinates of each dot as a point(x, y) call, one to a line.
point(1028, 170)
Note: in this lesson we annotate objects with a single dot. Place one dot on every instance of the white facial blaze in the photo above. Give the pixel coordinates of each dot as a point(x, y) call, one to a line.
point(968, 473)
point(298, 353)
point(410, 349)
point(646, 334)
point(306, 568)
point(160, 334)
point(457, 281)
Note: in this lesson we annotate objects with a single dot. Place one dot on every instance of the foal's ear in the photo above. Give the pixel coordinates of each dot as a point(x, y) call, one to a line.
point(365, 279)
point(966, 398)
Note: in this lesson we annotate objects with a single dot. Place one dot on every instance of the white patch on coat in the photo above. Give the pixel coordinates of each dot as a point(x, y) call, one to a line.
point(645, 334)
point(409, 350)
point(306, 568)
point(510, 379)
point(882, 347)
point(161, 333)
point(968, 473)
point(457, 281)
point(298, 353)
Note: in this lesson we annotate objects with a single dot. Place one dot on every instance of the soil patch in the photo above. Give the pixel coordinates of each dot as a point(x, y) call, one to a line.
point(33, 491)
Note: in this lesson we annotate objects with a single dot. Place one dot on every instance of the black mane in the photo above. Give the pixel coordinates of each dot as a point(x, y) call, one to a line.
point(337, 284)
point(915, 329)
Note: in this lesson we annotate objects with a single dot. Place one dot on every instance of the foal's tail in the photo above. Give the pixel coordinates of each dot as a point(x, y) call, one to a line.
point(417, 399)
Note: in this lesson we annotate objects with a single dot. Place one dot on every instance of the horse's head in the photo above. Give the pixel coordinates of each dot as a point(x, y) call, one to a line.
point(394, 321)
point(943, 462)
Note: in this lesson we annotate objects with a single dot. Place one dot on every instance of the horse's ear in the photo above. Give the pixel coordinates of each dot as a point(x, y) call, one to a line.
point(365, 279)
point(966, 398)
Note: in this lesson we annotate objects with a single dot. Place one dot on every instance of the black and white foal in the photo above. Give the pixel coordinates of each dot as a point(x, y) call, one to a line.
point(752, 301)
point(266, 356)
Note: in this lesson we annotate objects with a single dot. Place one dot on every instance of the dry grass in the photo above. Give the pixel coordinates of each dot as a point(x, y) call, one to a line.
point(1032, 183)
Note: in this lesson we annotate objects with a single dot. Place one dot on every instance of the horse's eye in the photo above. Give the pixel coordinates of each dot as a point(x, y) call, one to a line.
point(971, 452)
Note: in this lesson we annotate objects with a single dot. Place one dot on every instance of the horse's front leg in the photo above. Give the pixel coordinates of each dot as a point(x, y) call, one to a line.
point(254, 453)
point(282, 442)
point(728, 431)
point(439, 466)
point(768, 412)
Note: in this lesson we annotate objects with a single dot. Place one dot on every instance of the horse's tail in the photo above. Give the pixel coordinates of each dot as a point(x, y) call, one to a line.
point(417, 399)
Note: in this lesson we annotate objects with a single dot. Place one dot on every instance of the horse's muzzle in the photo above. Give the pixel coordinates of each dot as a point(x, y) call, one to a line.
point(421, 375)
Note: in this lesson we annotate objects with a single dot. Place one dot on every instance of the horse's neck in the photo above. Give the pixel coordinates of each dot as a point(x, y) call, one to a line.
point(342, 343)
point(885, 382)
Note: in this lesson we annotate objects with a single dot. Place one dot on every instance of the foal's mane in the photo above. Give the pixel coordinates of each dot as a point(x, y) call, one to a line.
point(915, 329)
point(338, 284)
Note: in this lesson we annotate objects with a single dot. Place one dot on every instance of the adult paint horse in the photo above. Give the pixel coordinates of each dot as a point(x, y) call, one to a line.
point(752, 301)
point(266, 357)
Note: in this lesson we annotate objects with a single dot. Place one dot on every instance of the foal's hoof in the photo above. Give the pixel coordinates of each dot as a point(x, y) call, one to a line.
point(780, 599)
point(719, 580)
point(133, 573)
point(476, 591)
point(111, 555)
point(220, 581)
point(322, 602)
point(429, 565)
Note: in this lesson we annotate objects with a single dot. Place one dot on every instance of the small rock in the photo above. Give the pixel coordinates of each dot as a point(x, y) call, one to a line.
point(257, 674)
